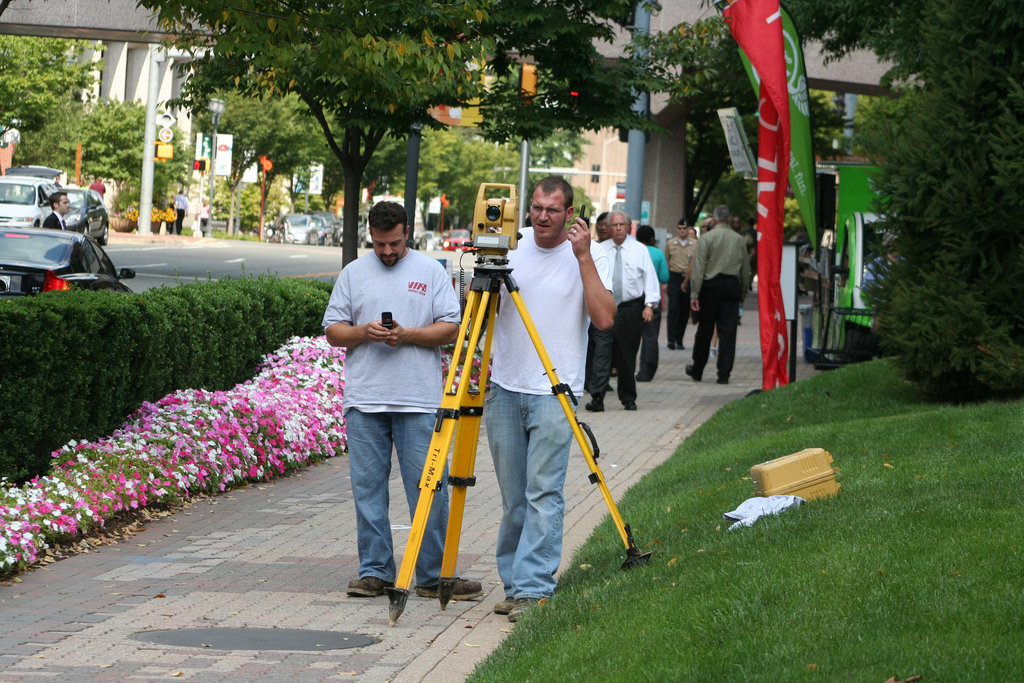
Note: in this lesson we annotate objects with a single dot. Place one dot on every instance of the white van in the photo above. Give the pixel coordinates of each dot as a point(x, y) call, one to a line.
point(24, 201)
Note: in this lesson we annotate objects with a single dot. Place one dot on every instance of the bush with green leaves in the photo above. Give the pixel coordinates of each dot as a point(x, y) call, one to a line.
point(949, 309)
point(76, 363)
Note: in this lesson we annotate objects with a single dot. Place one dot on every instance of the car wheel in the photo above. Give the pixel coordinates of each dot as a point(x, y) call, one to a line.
point(105, 235)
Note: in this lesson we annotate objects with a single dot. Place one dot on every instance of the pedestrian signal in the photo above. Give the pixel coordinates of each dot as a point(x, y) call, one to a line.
point(201, 165)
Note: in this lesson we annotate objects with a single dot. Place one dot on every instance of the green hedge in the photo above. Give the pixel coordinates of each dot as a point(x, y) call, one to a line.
point(74, 365)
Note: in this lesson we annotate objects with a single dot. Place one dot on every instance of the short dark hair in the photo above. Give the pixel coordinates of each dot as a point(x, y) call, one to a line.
point(602, 217)
point(645, 235)
point(386, 215)
point(54, 198)
point(553, 184)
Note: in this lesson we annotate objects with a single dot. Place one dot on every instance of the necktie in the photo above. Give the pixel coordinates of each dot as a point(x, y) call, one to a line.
point(617, 276)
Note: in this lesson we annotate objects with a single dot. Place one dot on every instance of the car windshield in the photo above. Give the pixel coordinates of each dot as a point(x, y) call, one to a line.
point(296, 220)
point(47, 250)
point(77, 200)
point(460, 234)
point(18, 193)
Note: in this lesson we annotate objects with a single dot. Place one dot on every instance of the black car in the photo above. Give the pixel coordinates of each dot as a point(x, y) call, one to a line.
point(334, 226)
point(36, 260)
point(88, 214)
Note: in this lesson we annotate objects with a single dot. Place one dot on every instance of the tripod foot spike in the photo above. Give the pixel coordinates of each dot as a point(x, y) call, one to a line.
point(445, 591)
point(635, 558)
point(397, 598)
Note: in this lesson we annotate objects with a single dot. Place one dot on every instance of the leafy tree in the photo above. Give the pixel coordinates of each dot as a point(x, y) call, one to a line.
point(275, 127)
point(39, 76)
point(364, 75)
point(949, 307)
point(112, 135)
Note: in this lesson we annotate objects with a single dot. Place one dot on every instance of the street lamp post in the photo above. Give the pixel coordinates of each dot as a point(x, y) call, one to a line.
point(216, 109)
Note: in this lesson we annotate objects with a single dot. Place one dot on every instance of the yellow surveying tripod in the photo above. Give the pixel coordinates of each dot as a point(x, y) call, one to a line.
point(462, 407)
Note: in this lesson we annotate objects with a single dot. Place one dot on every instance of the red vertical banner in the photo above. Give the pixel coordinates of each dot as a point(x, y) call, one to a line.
point(757, 27)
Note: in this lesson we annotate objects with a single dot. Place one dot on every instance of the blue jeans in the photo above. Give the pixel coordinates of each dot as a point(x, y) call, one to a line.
point(370, 439)
point(529, 437)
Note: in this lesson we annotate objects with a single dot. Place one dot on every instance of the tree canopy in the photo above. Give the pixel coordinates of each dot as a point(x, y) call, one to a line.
point(38, 76)
point(369, 71)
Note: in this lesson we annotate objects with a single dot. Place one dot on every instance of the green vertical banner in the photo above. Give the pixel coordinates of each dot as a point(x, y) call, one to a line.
point(801, 153)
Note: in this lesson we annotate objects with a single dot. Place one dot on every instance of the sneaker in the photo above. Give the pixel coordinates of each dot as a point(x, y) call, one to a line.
point(714, 350)
point(504, 606)
point(464, 590)
point(520, 606)
point(369, 587)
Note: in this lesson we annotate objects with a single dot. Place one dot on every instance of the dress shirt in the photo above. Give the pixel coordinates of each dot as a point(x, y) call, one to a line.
point(721, 251)
point(639, 278)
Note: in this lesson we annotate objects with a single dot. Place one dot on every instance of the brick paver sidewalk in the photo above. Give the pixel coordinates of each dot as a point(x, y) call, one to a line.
point(280, 555)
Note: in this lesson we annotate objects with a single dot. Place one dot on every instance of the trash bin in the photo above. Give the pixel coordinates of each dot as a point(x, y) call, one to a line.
point(807, 318)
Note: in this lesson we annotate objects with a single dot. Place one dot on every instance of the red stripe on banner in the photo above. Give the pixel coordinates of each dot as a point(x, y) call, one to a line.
point(757, 27)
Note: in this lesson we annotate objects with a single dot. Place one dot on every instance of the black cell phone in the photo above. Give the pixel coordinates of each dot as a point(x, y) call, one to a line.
point(583, 214)
point(386, 320)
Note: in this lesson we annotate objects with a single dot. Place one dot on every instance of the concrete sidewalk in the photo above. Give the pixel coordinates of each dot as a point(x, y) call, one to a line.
point(280, 555)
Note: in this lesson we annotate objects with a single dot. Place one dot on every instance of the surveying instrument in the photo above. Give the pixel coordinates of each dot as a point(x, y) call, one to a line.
point(495, 222)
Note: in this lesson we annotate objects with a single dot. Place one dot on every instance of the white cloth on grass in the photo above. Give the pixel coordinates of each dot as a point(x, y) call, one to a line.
point(753, 509)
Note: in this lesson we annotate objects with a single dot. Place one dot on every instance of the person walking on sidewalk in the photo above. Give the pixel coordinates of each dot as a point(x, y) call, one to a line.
point(648, 365)
point(679, 253)
point(636, 292)
point(180, 209)
point(565, 282)
point(392, 389)
point(720, 269)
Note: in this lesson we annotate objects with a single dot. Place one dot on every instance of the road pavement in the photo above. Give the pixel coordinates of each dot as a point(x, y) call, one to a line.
point(279, 556)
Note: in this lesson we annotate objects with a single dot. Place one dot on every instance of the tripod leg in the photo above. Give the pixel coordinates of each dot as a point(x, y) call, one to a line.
point(444, 429)
point(467, 435)
point(634, 557)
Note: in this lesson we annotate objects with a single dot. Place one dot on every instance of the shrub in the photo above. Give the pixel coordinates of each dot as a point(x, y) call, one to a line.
point(950, 307)
point(76, 363)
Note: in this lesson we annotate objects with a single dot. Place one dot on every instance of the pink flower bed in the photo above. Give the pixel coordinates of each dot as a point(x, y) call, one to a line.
point(188, 442)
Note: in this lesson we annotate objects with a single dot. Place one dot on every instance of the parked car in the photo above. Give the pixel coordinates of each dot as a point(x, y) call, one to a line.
point(88, 214)
point(334, 227)
point(25, 200)
point(427, 240)
point(295, 228)
point(458, 239)
point(319, 233)
point(36, 260)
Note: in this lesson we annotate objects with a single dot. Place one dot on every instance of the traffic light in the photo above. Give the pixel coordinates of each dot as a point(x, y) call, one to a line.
point(162, 151)
point(528, 82)
point(201, 165)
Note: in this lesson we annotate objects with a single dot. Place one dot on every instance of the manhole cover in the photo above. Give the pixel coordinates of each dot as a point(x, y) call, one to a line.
point(256, 638)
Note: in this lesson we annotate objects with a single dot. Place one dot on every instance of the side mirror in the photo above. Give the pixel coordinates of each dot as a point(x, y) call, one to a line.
point(126, 274)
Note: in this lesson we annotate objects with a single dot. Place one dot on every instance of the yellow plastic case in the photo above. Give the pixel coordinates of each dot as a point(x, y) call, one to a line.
point(807, 474)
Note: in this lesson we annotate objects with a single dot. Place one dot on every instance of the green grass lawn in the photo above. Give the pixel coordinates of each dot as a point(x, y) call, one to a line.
point(915, 568)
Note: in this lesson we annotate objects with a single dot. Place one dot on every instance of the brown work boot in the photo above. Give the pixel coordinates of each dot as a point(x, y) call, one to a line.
point(464, 590)
point(368, 587)
point(520, 606)
point(504, 606)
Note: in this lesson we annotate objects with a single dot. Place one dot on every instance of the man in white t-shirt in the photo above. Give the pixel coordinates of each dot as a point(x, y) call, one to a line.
point(393, 386)
point(565, 282)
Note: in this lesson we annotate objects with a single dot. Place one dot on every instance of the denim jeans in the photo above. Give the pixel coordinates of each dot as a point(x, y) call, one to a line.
point(529, 437)
point(370, 440)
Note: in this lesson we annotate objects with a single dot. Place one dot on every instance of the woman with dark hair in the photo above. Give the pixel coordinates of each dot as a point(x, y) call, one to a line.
point(648, 364)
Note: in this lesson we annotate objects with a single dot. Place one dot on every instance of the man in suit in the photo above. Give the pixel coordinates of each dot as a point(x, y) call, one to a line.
point(60, 205)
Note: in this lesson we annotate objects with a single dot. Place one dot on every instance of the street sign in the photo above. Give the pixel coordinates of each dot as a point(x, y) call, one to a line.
point(204, 148)
point(165, 135)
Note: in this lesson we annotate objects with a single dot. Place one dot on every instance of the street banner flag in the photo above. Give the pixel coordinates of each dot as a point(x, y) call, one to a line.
point(757, 27)
point(801, 152)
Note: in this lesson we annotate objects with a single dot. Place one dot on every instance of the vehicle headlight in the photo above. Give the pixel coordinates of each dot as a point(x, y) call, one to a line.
point(73, 218)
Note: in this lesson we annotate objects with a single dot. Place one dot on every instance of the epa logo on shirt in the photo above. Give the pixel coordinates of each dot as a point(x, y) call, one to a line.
point(418, 288)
